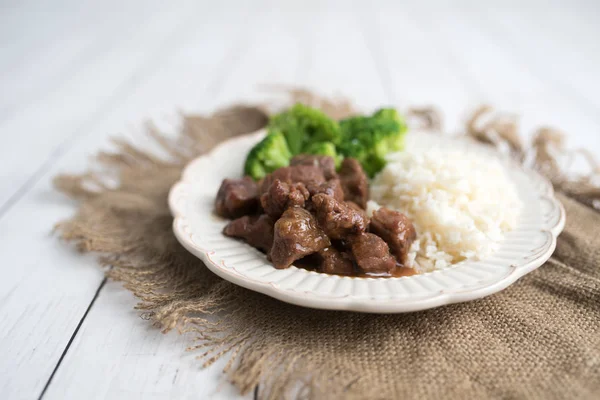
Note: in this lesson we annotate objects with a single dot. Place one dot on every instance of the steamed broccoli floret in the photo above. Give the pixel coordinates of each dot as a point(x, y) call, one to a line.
point(369, 139)
point(302, 129)
point(326, 149)
point(303, 125)
point(388, 114)
point(267, 155)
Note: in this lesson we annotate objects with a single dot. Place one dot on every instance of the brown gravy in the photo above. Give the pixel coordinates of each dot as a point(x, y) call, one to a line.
point(404, 271)
point(309, 263)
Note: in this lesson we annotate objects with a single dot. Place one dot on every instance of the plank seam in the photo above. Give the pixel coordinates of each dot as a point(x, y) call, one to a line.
point(70, 342)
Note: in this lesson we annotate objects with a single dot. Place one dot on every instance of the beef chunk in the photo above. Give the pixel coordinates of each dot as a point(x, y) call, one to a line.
point(358, 209)
point(336, 262)
point(257, 231)
point(307, 174)
point(396, 229)
point(237, 197)
point(282, 195)
point(332, 187)
point(372, 254)
point(296, 235)
point(337, 219)
point(325, 163)
point(354, 182)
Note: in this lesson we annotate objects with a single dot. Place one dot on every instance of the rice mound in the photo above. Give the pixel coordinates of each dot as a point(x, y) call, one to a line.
point(460, 203)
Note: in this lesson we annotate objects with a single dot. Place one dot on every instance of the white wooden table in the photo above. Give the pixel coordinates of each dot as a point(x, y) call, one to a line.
point(73, 73)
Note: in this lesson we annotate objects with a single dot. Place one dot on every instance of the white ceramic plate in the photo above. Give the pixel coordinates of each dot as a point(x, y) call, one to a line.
point(199, 230)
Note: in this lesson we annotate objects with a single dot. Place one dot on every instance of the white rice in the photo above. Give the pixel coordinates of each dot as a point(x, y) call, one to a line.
point(461, 204)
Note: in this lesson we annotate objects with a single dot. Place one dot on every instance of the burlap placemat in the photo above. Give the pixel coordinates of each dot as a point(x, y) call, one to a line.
point(540, 338)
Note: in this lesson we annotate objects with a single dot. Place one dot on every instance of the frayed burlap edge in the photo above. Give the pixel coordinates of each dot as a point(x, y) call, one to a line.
point(130, 226)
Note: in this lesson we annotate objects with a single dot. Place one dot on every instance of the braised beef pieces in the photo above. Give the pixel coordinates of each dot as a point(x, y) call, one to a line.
point(237, 197)
point(307, 174)
point(257, 231)
point(372, 254)
point(317, 217)
point(336, 262)
point(396, 229)
point(358, 209)
point(325, 163)
point(281, 196)
point(296, 234)
point(337, 219)
point(332, 187)
point(354, 182)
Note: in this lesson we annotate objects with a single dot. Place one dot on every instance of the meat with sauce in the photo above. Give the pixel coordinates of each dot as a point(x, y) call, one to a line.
point(336, 262)
point(316, 218)
point(372, 254)
point(257, 231)
point(397, 231)
point(337, 219)
point(237, 197)
point(354, 182)
point(325, 163)
point(358, 209)
point(332, 187)
point(306, 174)
point(296, 235)
point(281, 196)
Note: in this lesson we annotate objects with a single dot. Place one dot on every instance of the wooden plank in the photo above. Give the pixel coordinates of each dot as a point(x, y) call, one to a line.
point(337, 58)
point(319, 47)
point(45, 290)
point(44, 128)
point(117, 355)
point(65, 50)
point(561, 46)
point(417, 68)
point(26, 28)
point(503, 77)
